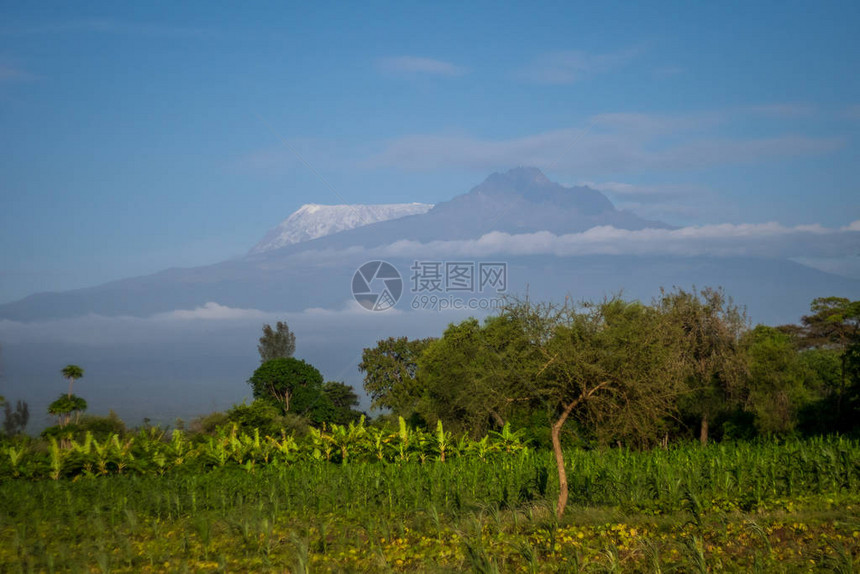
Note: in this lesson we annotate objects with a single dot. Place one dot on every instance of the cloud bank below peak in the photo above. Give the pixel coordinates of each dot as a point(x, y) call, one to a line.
point(765, 240)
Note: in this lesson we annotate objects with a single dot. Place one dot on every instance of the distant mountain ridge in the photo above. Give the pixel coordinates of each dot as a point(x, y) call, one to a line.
point(309, 260)
point(312, 221)
point(521, 200)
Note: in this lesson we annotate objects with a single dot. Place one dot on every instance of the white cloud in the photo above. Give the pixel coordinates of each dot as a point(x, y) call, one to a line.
point(567, 67)
point(723, 240)
point(212, 311)
point(414, 65)
point(180, 326)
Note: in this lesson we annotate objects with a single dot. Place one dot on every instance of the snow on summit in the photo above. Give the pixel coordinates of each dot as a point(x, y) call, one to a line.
point(312, 221)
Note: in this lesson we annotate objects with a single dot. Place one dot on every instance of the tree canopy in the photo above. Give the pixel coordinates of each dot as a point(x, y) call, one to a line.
point(292, 384)
point(72, 373)
point(277, 343)
point(390, 371)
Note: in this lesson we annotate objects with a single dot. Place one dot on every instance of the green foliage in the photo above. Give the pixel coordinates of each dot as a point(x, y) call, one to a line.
point(776, 388)
point(277, 343)
point(100, 427)
point(343, 400)
point(474, 374)
point(294, 386)
point(390, 371)
point(65, 406)
point(72, 373)
point(710, 328)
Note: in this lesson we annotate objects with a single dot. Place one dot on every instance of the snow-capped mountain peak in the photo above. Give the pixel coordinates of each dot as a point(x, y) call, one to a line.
point(313, 220)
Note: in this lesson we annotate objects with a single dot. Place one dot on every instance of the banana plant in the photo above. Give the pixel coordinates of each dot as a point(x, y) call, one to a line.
point(482, 448)
point(404, 438)
point(57, 458)
point(286, 449)
point(15, 457)
point(102, 452)
point(510, 441)
point(443, 441)
point(320, 444)
point(379, 443)
point(215, 451)
point(178, 448)
point(345, 437)
point(121, 452)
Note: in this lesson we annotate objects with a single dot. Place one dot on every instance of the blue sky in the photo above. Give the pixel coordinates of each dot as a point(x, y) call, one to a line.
point(140, 136)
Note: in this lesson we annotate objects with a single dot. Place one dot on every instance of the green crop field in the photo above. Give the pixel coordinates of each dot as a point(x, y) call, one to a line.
point(356, 499)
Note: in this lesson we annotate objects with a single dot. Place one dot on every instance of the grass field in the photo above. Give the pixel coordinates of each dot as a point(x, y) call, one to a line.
point(791, 507)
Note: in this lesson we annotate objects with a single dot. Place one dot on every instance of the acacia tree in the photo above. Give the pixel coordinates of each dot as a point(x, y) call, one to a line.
point(277, 343)
point(711, 328)
point(72, 373)
point(613, 366)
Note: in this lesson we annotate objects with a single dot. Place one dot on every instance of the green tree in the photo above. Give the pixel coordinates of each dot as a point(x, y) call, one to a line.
point(777, 388)
point(711, 327)
point(65, 406)
point(390, 371)
point(613, 366)
point(344, 400)
point(72, 373)
point(834, 324)
point(293, 384)
point(277, 343)
point(472, 375)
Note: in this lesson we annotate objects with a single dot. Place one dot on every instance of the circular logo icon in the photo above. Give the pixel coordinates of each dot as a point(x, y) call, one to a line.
point(377, 285)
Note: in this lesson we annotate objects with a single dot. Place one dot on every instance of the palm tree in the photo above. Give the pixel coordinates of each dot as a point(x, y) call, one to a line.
point(73, 373)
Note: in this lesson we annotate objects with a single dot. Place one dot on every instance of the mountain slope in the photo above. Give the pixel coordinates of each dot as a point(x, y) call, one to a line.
point(521, 200)
point(312, 221)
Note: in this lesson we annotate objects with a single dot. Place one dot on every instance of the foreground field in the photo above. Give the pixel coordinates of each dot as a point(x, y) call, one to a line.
point(793, 507)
